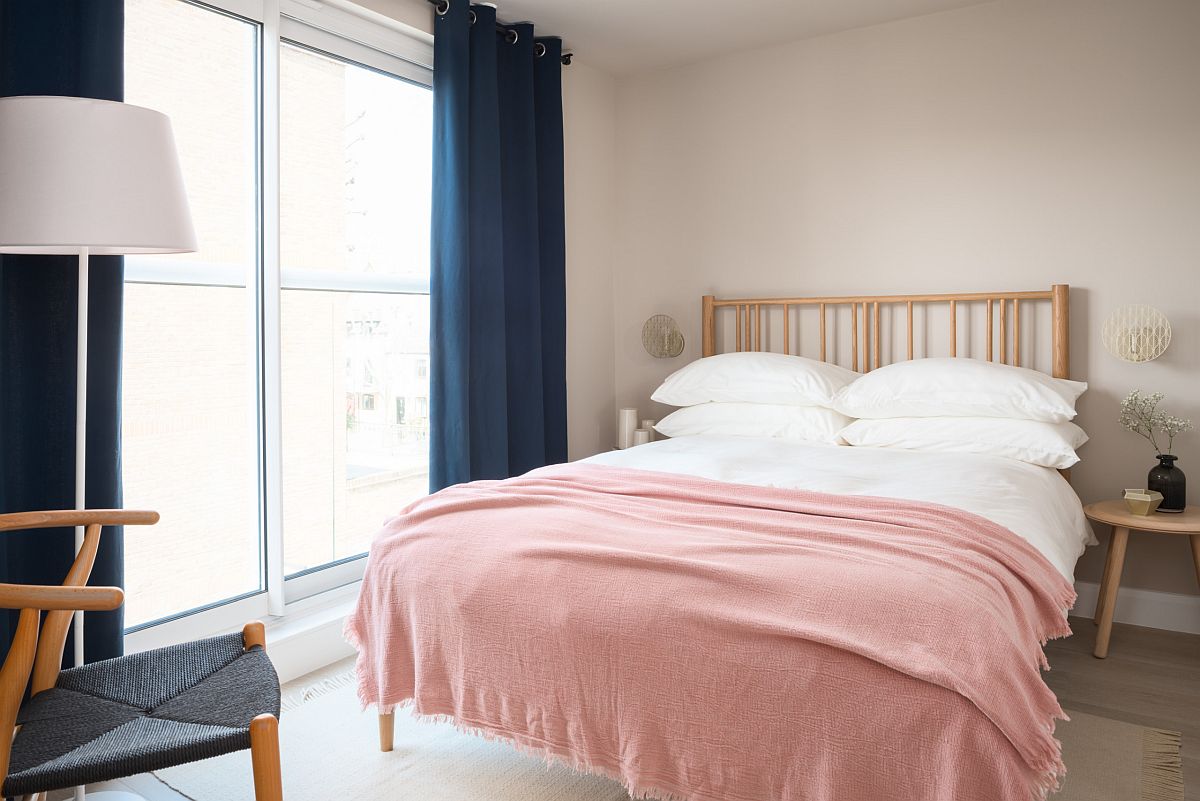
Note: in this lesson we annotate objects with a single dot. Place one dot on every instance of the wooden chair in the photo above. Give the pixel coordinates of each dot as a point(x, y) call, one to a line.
point(133, 714)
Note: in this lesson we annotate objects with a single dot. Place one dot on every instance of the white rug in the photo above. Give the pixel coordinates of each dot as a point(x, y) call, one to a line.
point(331, 750)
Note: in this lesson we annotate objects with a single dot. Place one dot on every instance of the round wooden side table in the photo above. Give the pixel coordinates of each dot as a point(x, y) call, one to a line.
point(1117, 514)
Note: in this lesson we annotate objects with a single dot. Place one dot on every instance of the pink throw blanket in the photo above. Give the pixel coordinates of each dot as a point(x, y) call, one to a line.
point(708, 641)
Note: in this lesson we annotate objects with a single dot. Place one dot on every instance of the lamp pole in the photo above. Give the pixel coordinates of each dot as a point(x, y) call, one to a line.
point(81, 371)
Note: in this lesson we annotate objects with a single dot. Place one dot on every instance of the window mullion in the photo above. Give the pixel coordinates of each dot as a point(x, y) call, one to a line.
point(271, 345)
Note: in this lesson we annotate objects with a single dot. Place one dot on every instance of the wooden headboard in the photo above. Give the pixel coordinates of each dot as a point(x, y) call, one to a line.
point(1003, 338)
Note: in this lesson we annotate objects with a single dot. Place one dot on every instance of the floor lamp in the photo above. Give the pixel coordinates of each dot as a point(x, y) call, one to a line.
point(88, 177)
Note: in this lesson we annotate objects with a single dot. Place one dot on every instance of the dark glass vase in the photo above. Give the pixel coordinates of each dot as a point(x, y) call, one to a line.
point(1168, 479)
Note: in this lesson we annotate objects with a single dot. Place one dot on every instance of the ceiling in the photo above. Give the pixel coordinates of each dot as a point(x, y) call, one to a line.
point(627, 36)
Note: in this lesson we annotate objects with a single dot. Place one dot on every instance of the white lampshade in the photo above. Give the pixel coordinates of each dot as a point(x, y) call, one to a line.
point(81, 173)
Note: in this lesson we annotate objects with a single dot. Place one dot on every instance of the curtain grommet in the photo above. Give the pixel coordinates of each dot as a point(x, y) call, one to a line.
point(472, 16)
point(539, 50)
point(511, 36)
point(441, 8)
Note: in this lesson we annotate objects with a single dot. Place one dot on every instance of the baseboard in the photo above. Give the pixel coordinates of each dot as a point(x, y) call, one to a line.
point(1157, 610)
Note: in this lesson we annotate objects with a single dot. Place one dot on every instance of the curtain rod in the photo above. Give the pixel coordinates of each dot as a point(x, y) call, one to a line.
point(510, 36)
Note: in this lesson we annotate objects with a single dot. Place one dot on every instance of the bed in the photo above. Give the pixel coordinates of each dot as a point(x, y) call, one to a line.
point(717, 618)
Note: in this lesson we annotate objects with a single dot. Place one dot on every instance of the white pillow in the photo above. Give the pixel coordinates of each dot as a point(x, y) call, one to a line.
point(958, 387)
point(799, 423)
point(1045, 444)
point(754, 378)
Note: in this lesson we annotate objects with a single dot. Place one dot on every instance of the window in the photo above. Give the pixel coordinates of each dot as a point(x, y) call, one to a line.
point(189, 392)
point(354, 242)
point(319, 141)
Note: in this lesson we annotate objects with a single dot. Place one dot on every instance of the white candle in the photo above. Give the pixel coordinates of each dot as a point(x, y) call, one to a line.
point(649, 426)
point(627, 420)
point(640, 436)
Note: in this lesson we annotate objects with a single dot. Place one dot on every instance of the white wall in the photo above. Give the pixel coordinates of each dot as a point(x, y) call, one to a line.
point(1004, 146)
point(589, 121)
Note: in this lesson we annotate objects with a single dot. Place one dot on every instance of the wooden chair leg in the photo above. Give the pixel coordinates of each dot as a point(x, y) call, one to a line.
point(387, 730)
point(264, 757)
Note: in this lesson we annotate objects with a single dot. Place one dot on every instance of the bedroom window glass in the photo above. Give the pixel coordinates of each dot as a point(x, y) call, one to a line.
point(276, 382)
point(354, 152)
point(189, 393)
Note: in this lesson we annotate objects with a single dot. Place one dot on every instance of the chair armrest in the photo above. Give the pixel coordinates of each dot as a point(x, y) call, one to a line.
point(85, 599)
point(19, 521)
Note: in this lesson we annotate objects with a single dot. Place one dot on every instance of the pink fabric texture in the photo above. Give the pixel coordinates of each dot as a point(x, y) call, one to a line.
point(708, 641)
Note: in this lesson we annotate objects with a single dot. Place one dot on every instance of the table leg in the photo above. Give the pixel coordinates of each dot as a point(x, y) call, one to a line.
point(1195, 538)
point(1103, 582)
point(1112, 582)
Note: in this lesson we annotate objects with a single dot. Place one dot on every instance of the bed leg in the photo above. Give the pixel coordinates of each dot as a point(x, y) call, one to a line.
point(387, 730)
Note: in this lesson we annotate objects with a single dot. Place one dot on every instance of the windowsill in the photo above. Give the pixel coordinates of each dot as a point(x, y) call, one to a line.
point(307, 637)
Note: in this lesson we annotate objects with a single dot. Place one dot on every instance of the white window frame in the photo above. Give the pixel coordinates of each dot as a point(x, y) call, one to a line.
point(345, 31)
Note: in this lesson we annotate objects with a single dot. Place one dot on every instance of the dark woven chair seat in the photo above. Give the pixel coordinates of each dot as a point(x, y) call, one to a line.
point(142, 712)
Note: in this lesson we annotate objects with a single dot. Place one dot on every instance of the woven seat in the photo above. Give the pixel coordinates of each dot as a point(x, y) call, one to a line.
point(142, 712)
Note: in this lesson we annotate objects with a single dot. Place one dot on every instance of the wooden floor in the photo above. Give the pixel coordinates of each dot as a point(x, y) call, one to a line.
point(1150, 677)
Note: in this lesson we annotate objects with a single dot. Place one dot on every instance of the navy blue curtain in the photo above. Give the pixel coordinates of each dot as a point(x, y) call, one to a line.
point(60, 47)
point(498, 316)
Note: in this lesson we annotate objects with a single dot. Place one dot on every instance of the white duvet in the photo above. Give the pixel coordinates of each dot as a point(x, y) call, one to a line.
point(1035, 503)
